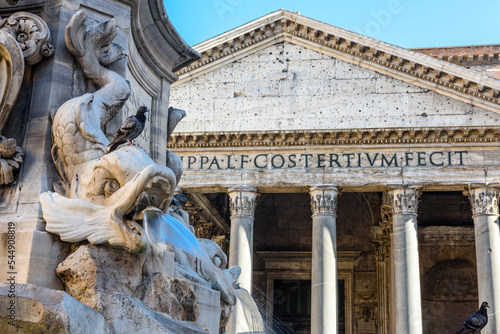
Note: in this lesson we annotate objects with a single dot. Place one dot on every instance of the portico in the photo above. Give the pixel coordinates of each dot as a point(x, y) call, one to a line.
point(394, 236)
point(352, 156)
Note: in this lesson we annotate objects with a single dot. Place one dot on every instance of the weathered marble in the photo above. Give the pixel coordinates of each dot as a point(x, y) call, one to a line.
point(43, 310)
point(324, 199)
point(280, 86)
point(484, 203)
point(408, 310)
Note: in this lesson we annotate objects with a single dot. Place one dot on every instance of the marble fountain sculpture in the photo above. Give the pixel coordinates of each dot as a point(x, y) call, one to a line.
point(135, 258)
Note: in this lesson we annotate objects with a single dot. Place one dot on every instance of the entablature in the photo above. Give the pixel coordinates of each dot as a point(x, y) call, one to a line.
point(399, 136)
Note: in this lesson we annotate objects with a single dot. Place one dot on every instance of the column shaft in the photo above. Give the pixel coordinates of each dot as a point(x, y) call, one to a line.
point(242, 201)
point(404, 202)
point(241, 249)
point(484, 201)
point(324, 260)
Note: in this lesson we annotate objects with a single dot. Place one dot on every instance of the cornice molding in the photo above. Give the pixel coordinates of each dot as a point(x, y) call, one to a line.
point(162, 48)
point(434, 73)
point(403, 136)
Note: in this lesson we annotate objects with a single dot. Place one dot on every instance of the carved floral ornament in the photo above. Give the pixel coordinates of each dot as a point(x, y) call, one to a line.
point(404, 200)
point(24, 38)
point(483, 200)
point(324, 200)
point(242, 202)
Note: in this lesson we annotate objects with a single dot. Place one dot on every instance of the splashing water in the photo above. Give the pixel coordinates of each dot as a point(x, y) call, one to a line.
point(253, 320)
point(162, 228)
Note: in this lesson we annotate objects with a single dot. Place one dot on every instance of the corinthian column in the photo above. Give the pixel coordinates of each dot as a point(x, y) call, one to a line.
point(484, 202)
point(242, 202)
point(404, 203)
point(324, 260)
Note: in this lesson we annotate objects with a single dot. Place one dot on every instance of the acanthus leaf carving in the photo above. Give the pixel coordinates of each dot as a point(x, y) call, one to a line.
point(404, 200)
point(324, 200)
point(484, 200)
point(242, 205)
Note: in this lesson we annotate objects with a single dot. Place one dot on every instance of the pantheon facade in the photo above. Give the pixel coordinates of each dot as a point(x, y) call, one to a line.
point(355, 182)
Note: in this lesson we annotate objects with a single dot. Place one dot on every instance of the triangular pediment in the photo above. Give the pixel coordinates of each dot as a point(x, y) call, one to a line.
point(411, 67)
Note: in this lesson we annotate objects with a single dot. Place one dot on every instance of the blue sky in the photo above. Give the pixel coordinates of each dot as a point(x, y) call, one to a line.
point(406, 23)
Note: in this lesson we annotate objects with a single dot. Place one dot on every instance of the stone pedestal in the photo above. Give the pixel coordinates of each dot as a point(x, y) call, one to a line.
point(324, 260)
point(404, 203)
point(484, 202)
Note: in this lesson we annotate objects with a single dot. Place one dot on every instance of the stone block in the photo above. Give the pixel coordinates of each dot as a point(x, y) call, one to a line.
point(42, 310)
point(445, 105)
point(356, 86)
point(297, 52)
point(345, 70)
point(173, 296)
point(90, 272)
point(266, 54)
point(313, 69)
point(389, 85)
point(37, 255)
point(210, 308)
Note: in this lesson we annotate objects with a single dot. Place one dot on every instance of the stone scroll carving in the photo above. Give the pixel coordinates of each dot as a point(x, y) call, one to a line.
point(24, 39)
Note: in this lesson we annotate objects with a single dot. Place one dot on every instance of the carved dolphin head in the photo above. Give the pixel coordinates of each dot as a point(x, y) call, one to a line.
point(108, 198)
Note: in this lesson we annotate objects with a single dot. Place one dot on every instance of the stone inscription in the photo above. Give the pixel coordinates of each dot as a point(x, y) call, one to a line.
point(325, 160)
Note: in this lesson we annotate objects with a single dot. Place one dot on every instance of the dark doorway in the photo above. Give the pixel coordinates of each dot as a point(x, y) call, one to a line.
point(292, 306)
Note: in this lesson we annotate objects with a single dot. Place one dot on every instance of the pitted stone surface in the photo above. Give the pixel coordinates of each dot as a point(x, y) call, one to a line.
point(286, 86)
point(90, 272)
point(42, 310)
point(173, 296)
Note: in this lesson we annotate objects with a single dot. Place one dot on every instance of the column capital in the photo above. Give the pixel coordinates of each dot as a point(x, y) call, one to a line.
point(324, 199)
point(242, 200)
point(483, 199)
point(404, 199)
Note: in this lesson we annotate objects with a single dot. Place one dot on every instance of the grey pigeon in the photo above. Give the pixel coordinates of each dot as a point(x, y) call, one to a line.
point(174, 117)
point(130, 129)
point(476, 322)
point(179, 200)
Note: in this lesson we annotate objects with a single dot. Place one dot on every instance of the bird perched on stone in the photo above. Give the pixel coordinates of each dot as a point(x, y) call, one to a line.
point(476, 322)
point(179, 200)
point(174, 117)
point(130, 129)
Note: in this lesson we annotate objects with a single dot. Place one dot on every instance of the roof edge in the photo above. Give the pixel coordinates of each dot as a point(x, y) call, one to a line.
point(355, 47)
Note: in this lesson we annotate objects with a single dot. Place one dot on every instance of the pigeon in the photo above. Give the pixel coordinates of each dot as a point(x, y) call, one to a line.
point(130, 129)
point(179, 200)
point(476, 322)
point(174, 117)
